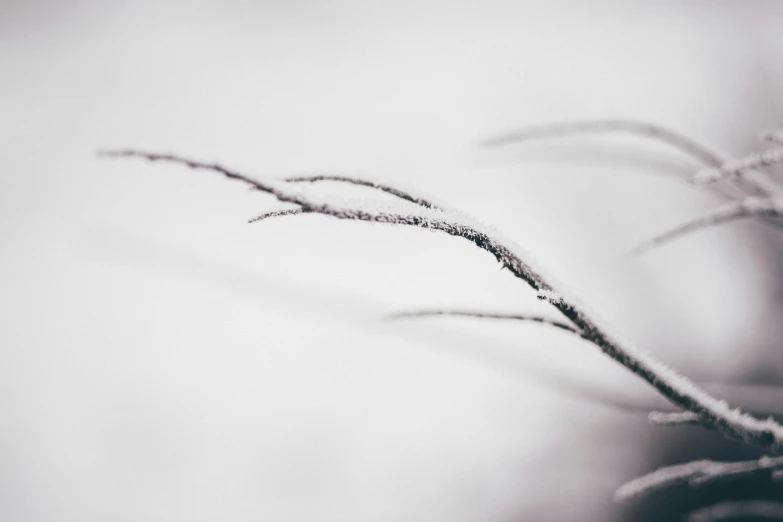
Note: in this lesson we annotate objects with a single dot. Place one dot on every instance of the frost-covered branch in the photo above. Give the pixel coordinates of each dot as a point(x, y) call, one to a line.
point(765, 509)
point(714, 414)
point(697, 473)
point(770, 208)
point(363, 183)
point(488, 315)
point(276, 213)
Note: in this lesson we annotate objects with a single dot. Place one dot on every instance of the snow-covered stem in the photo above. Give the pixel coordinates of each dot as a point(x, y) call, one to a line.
point(697, 473)
point(487, 315)
point(363, 183)
point(770, 208)
point(764, 509)
point(678, 418)
point(738, 167)
point(276, 213)
point(681, 392)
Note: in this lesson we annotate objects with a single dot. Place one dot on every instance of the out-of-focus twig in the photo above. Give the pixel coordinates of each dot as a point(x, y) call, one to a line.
point(697, 473)
point(758, 182)
point(770, 208)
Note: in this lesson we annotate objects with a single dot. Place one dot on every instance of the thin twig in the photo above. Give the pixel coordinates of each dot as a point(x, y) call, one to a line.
point(771, 209)
point(696, 473)
point(487, 315)
point(276, 213)
point(363, 183)
point(738, 510)
point(715, 414)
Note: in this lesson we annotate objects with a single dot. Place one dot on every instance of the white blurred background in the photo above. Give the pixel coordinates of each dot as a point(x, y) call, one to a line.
point(161, 360)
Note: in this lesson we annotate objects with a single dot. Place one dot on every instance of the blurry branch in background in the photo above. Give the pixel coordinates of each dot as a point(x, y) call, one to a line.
point(747, 208)
point(759, 182)
point(698, 407)
point(697, 473)
point(679, 141)
point(738, 510)
point(768, 206)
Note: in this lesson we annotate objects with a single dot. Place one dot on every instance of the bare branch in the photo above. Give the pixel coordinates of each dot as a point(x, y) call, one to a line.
point(715, 414)
point(733, 169)
point(363, 183)
point(678, 418)
point(697, 473)
point(485, 315)
point(738, 510)
point(276, 213)
point(771, 209)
